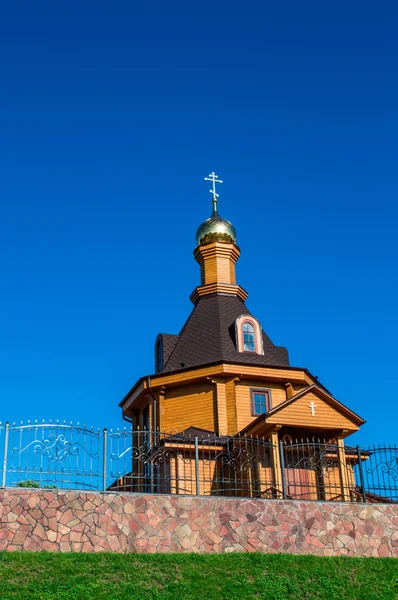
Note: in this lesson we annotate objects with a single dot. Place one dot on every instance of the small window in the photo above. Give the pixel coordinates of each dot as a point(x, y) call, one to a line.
point(261, 402)
point(248, 337)
point(159, 355)
point(248, 334)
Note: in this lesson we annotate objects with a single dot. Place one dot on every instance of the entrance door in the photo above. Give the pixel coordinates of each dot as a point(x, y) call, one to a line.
point(301, 484)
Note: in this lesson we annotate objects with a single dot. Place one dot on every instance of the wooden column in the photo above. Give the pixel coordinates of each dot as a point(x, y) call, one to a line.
point(289, 390)
point(276, 461)
point(230, 389)
point(221, 405)
point(343, 469)
point(161, 409)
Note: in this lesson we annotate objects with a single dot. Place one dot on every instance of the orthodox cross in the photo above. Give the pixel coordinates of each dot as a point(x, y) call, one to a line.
point(213, 177)
point(312, 406)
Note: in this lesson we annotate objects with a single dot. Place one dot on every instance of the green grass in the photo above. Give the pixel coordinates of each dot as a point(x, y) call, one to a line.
point(46, 576)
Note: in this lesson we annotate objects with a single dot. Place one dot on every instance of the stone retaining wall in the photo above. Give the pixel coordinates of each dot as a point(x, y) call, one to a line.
point(80, 521)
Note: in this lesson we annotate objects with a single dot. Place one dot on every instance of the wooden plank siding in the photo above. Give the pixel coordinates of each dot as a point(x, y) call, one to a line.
point(189, 405)
point(232, 272)
point(217, 477)
point(211, 270)
point(221, 400)
point(219, 269)
point(183, 481)
point(297, 376)
point(231, 407)
point(298, 413)
point(301, 484)
point(165, 379)
point(297, 387)
point(217, 262)
point(335, 488)
point(243, 399)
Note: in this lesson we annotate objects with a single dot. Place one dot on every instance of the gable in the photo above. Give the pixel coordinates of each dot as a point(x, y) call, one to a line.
point(328, 414)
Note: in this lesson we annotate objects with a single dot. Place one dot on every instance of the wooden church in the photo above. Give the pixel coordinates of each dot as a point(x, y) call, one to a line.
point(221, 386)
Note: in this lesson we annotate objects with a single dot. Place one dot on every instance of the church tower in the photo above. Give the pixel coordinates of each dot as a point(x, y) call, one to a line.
point(221, 374)
point(217, 253)
point(220, 327)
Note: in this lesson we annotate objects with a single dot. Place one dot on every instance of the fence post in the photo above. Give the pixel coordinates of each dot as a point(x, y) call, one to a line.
point(344, 483)
point(197, 465)
point(104, 457)
point(4, 474)
point(276, 463)
point(361, 479)
point(282, 459)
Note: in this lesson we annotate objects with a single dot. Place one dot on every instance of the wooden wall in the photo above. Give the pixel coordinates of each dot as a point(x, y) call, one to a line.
point(189, 405)
point(234, 478)
point(297, 387)
point(243, 400)
point(219, 268)
point(299, 413)
point(223, 405)
point(231, 407)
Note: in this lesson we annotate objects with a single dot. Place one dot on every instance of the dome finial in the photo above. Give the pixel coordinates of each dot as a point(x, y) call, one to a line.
point(215, 211)
point(215, 228)
point(213, 177)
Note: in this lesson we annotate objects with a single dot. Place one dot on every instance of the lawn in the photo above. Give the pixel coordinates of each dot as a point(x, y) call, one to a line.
point(45, 576)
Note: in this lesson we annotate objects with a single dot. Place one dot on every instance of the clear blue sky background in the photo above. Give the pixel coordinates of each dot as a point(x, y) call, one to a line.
point(112, 113)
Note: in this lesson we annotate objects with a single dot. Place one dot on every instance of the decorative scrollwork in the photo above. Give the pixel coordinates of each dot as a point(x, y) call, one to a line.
point(389, 467)
point(240, 458)
point(156, 455)
point(163, 455)
point(56, 448)
point(323, 461)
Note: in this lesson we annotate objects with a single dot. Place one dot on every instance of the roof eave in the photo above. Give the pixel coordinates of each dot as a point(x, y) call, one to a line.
point(214, 364)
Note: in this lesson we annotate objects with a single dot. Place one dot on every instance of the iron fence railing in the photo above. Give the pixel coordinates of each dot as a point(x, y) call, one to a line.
point(53, 454)
point(185, 463)
point(66, 456)
point(380, 472)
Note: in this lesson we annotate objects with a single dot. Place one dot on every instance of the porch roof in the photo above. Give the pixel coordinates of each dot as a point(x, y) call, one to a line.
point(284, 415)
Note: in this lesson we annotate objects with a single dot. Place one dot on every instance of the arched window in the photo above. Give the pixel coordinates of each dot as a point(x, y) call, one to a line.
point(248, 337)
point(159, 355)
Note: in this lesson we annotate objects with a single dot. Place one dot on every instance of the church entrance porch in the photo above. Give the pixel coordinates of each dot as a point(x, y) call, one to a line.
point(319, 470)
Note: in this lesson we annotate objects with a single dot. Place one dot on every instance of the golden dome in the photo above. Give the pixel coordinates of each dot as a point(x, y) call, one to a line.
point(215, 229)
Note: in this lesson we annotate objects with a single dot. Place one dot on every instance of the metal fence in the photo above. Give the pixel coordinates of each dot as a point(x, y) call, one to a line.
point(184, 463)
point(53, 454)
point(66, 456)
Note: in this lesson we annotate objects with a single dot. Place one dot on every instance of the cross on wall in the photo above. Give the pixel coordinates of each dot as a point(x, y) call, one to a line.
point(312, 406)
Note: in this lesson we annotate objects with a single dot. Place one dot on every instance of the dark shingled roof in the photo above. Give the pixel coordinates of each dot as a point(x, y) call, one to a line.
point(191, 432)
point(209, 336)
point(169, 342)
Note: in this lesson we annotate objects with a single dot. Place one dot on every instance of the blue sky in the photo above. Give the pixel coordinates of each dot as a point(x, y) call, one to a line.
point(111, 114)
